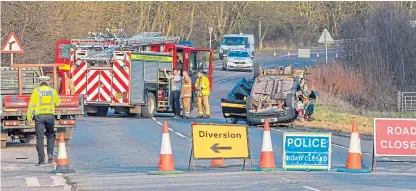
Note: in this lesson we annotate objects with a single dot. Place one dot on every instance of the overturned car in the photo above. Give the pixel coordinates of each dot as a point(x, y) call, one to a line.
point(280, 95)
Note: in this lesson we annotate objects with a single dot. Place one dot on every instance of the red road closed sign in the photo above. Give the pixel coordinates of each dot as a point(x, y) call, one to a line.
point(394, 137)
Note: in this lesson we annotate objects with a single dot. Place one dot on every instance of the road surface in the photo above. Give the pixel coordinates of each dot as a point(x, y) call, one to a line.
point(116, 153)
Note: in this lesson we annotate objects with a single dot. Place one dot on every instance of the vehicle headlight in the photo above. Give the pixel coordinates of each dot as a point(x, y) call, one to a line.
point(250, 62)
point(230, 62)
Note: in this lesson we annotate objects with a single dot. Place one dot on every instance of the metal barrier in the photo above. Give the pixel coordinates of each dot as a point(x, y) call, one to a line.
point(406, 101)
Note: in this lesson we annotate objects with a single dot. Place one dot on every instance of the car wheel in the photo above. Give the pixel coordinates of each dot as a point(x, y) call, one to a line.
point(231, 120)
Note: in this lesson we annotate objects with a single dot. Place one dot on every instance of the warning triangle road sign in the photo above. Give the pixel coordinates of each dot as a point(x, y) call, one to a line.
point(326, 34)
point(12, 45)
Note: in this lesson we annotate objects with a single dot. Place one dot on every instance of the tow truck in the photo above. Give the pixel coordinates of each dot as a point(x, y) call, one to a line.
point(17, 84)
point(101, 67)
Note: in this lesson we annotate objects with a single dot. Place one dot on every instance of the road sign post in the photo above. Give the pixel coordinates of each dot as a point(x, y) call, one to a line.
point(394, 137)
point(12, 45)
point(326, 38)
point(307, 151)
point(219, 141)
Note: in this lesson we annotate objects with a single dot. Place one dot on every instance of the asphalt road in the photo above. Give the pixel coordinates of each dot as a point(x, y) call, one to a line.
point(116, 153)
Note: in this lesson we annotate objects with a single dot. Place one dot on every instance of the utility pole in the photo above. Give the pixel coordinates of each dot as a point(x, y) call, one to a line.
point(210, 34)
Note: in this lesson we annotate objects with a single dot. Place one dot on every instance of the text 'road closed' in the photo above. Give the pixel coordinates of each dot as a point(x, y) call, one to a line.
point(303, 150)
point(394, 137)
point(220, 141)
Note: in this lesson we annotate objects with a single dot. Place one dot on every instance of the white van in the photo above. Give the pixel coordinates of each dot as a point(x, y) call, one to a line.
point(237, 41)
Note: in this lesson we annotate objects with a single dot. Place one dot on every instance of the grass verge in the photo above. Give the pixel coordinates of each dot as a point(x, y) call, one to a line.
point(334, 115)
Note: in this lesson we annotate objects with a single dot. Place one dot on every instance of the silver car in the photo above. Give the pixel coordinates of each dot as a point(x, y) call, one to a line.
point(238, 60)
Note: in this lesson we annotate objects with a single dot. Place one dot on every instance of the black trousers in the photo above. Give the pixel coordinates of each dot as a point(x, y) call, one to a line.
point(175, 102)
point(44, 125)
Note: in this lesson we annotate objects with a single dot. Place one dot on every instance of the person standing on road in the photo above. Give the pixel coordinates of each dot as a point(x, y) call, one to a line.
point(186, 94)
point(175, 93)
point(202, 85)
point(42, 106)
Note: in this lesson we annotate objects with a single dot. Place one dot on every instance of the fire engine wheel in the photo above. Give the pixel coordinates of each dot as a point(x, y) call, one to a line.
point(92, 114)
point(26, 139)
point(102, 111)
point(149, 110)
point(3, 144)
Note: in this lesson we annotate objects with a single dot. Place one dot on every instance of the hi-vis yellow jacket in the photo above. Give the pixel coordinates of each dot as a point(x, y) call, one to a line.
point(203, 82)
point(43, 101)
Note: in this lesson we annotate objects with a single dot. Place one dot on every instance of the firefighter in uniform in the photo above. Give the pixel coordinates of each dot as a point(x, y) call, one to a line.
point(202, 85)
point(69, 85)
point(186, 94)
point(42, 109)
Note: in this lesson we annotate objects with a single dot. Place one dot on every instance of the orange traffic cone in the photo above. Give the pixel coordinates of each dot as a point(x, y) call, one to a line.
point(62, 165)
point(267, 156)
point(217, 163)
point(355, 157)
point(166, 163)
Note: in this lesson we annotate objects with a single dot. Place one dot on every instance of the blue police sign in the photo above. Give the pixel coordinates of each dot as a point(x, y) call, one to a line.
point(307, 151)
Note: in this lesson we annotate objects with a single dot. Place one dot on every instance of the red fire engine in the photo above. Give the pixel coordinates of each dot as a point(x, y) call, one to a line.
point(100, 65)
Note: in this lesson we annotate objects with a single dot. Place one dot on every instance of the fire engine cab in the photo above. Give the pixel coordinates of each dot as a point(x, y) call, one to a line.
point(104, 68)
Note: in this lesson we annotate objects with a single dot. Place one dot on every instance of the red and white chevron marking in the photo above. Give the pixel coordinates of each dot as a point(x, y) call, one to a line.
point(79, 76)
point(105, 86)
point(99, 86)
point(93, 79)
point(121, 79)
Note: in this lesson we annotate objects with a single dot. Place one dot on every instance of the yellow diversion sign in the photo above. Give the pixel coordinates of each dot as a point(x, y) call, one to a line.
point(212, 141)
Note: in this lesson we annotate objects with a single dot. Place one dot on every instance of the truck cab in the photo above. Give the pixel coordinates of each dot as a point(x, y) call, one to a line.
point(241, 40)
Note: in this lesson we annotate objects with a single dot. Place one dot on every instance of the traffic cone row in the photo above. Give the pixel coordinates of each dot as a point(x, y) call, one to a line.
point(62, 165)
point(355, 156)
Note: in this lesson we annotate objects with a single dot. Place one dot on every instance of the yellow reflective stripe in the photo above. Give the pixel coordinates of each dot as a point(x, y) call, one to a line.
point(233, 105)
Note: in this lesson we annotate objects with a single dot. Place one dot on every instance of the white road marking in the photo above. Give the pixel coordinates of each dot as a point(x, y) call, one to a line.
point(180, 135)
point(310, 188)
point(183, 136)
point(60, 181)
point(32, 181)
point(225, 80)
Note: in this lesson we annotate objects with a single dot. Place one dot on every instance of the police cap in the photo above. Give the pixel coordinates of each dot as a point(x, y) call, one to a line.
point(44, 78)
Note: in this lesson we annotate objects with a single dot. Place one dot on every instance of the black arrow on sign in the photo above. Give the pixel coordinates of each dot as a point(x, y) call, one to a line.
point(216, 148)
point(10, 44)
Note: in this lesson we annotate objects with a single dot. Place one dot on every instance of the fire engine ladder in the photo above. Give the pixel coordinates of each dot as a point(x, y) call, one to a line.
point(148, 38)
